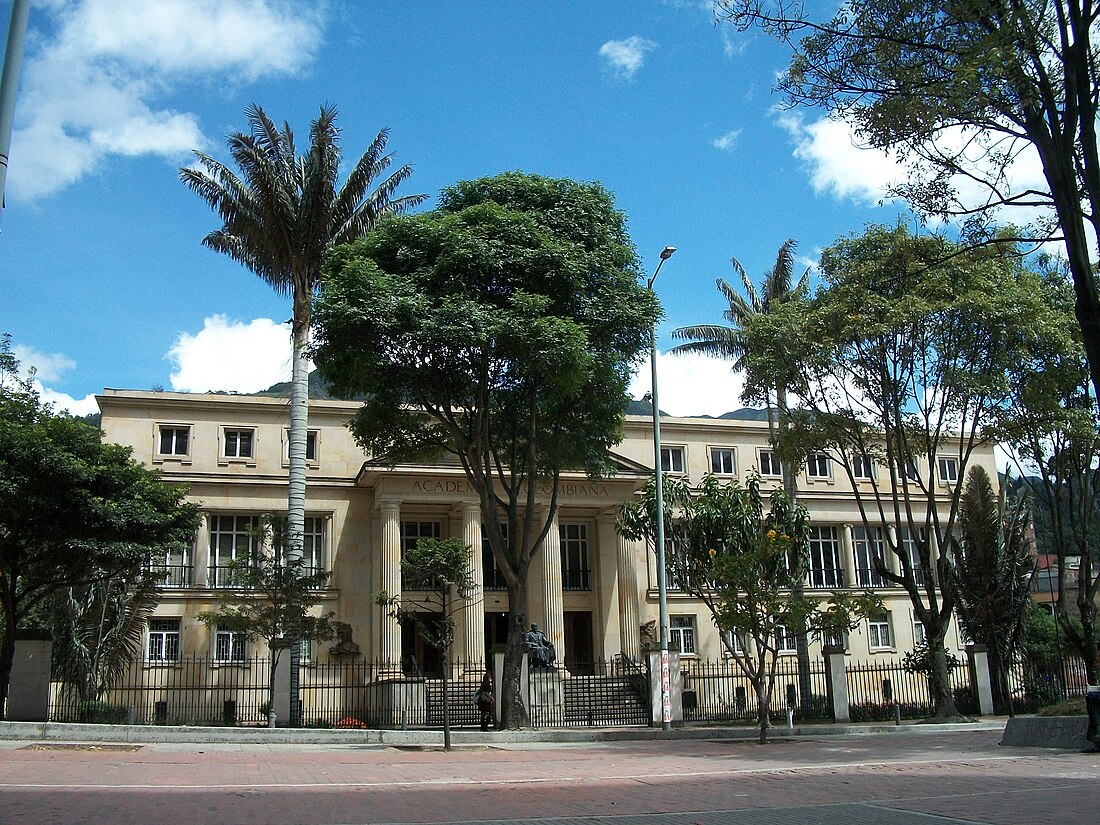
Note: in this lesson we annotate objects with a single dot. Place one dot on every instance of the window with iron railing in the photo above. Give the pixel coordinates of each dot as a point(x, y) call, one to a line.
point(233, 540)
point(826, 568)
point(867, 546)
point(173, 566)
point(411, 533)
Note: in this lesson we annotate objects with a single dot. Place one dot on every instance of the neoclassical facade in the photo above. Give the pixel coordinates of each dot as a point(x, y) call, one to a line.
point(591, 591)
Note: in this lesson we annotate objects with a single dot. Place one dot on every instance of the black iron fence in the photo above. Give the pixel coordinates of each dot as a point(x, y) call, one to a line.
point(359, 694)
point(718, 691)
point(883, 690)
point(1036, 682)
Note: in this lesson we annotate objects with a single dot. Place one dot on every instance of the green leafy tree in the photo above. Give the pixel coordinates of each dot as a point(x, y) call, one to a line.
point(1052, 428)
point(961, 89)
point(728, 343)
point(103, 627)
point(743, 563)
point(500, 328)
point(439, 571)
point(73, 510)
point(904, 359)
point(280, 216)
point(272, 600)
point(993, 567)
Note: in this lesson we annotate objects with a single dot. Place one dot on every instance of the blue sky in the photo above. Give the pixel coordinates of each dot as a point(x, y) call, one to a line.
point(105, 282)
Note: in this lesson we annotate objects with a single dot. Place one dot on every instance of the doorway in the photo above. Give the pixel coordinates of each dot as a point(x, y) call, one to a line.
point(578, 642)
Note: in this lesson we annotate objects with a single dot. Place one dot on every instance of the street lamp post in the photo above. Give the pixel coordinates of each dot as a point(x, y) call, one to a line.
point(662, 589)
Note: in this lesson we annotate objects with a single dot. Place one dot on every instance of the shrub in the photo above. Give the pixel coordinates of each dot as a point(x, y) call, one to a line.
point(102, 713)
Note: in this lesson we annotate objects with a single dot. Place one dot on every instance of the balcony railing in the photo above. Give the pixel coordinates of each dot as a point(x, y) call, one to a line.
point(173, 575)
point(576, 579)
point(826, 578)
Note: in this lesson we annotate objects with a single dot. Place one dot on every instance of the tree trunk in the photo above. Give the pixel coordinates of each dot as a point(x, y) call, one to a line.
point(296, 492)
point(513, 704)
point(939, 682)
point(446, 657)
point(763, 712)
point(7, 652)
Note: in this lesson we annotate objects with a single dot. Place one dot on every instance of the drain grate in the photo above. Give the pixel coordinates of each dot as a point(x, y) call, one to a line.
point(78, 746)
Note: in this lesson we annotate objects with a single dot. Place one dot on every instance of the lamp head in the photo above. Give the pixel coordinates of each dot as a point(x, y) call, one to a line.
point(666, 253)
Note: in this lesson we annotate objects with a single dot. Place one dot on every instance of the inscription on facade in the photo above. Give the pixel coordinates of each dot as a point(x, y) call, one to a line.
point(584, 490)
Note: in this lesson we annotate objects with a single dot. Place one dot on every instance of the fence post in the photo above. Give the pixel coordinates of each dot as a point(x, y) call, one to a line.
point(980, 678)
point(29, 686)
point(837, 682)
point(280, 696)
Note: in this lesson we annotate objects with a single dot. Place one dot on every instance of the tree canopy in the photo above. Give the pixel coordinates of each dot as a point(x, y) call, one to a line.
point(501, 328)
point(905, 359)
point(73, 510)
point(962, 90)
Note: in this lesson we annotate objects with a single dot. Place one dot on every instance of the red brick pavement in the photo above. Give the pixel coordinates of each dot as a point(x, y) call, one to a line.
point(960, 775)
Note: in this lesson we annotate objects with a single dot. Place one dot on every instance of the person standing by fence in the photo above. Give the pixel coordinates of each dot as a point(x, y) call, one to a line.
point(485, 701)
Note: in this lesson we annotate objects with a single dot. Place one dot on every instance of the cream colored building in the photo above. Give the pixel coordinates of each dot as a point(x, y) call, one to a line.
point(591, 591)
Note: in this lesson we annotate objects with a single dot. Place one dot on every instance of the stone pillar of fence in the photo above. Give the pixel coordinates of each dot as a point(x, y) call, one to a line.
point(498, 680)
point(837, 682)
point(280, 696)
point(29, 687)
point(676, 685)
point(979, 677)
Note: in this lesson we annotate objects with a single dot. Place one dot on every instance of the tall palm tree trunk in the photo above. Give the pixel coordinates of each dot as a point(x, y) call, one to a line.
point(296, 496)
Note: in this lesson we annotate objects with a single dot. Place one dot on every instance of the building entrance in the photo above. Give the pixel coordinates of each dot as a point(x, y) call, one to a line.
point(578, 642)
point(418, 658)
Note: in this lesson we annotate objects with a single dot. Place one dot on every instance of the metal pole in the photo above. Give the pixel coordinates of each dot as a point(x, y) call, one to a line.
point(9, 83)
point(662, 589)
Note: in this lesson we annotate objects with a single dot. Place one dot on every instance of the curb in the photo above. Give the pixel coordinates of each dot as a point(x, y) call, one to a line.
point(148, 734)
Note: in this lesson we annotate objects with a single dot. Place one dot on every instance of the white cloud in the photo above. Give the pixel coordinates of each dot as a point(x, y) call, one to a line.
point(727, 141)
point(837, 164)
point(231, 355)
point(47, 367)
point(691, 385)
point(61, 401)
point(625, 57)
point(90, 88)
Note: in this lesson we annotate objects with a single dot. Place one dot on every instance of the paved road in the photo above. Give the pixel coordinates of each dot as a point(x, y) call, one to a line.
point(926, 779)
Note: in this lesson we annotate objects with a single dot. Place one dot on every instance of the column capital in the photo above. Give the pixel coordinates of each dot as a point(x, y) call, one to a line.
point(392, 505)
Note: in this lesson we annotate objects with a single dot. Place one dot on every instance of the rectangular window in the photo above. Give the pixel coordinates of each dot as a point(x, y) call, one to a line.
point(878, 630)
point(909, 470)
point(230, 645)
point(949, 470)
point(738, 643)
point(311, 445)
point(817, 466)
point(575, 574)
point(681, 633)
point(411, 533)
point(164, 640)
point(826, 568)
point(233, 539)
point(835, 638)
point(237, 443)
point(722, 461)
point(313, 546)
point(911, 549)
point(920, 635)
point(784, 640)
point(672, 459)
point(769, 464)
point(492, 576)
point(866, 547)
point(174, 439)
point(172, 566)
point(863, 467)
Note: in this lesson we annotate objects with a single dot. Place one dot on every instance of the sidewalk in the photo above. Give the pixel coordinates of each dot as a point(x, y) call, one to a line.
point(70, 732)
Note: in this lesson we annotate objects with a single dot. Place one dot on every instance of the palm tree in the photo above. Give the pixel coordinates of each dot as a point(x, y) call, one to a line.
point(728, 343)
point(279, 218)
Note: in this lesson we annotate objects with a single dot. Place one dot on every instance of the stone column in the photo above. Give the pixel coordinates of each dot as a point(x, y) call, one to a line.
point(473, 612)
point(606, 584)
point(848, 555)
point(630, 637)
point(389, 631)
point(29, 687)
point(837, 681)
point(980, 678)
point(201, 562)
point(545, 585)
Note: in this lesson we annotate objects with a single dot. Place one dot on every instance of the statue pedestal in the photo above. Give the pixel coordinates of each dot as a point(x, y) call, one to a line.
point(546, 697)
point(398, 703)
